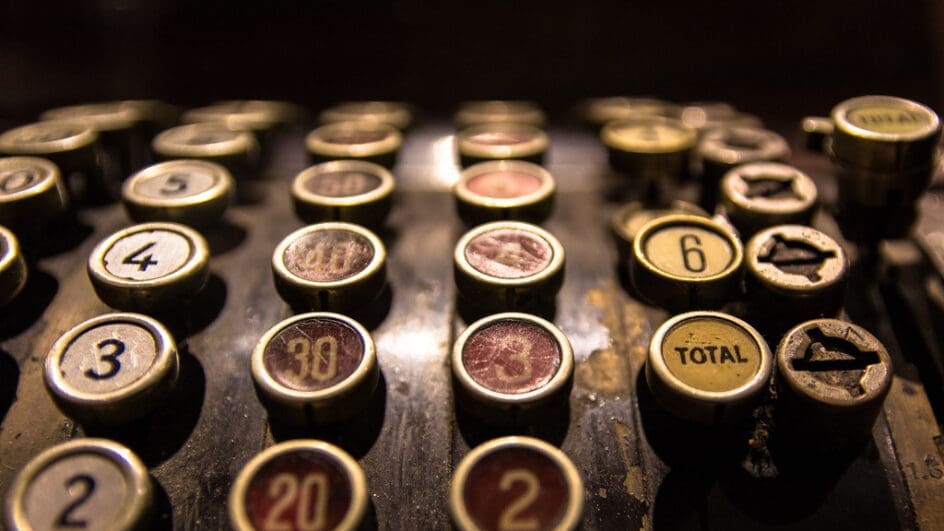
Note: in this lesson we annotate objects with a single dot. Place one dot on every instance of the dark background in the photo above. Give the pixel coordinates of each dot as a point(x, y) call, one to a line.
point(797, 57)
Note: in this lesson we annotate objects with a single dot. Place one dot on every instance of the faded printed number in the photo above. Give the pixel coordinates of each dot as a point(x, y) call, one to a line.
point(310, 355)
point(174, 184)
point(510, 519)
point(117, 348)
point(931, 470)
point(521, 353)
point(310, 515)
point(135, 258)
point(87, 484)
point(692, 256)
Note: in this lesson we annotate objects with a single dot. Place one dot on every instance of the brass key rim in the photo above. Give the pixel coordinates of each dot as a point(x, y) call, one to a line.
point(535, 143)
point(707, 224)
point(385, 189)
point(19, 140)
point(238, 512)
point(554, 267)
point(570, 518)
point(295, 398)
point(555, 385)
point(832, 272)
point(130, 465)
point(192, 273)
point(372, 268)
point(492, 111)
point(544, 192)
point(622, 135)
point(392, 113)
point(101, 116)
point(163, 370)
point(878, 379)
point(221, 190)
point(734, 187)
point(840, 117)
point(317, 141)
point(172, 143)
point(751, 387)
point(50, 178)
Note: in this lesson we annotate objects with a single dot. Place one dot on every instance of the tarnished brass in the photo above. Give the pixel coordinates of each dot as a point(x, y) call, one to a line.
point(504, 190)
point(192, 192)
point(833, 377)
point(708, 367)
point(600, 111)
point(13, 270)
point(631, 217)
point(32, 192)
point(394, 114)
point(763, 194)
point(353, 191)
point(237, 151)
point(369, 141)
point(499, 111)
point(497, 141)
point(649, 148)
point(795, 273)
point(685, 262)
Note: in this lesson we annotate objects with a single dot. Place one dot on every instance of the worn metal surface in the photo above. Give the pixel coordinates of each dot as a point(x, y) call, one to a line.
point(641, 468)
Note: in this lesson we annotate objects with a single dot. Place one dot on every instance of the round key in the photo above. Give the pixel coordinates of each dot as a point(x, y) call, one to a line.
point(344, 190)
point(116, 123)
point(703, 115)
point(886, 151)
point(31, 192)
point(516, 483)
point(722, 148)
point(238, 151)
point(192, 192)
point(246, 115)
point(392, 113)
point(315, 368)
point(795, 273)
point(330, 266)
point(81, 484)
point(72, 146)
point(301, 484)
point(649, 147)
point(683, 262)
point(150, 267)
point(498, 141)
point(708, 367)
point(13, 270)
point(833, 378)
point(498, 111)
point(370, 141)
point(103, 117)
point(511, 362)
point(884, 133)
point(113, 368)
point(508, 264)
point(763, 194)
point(505, 189)
point(600, 111)
point(631, 217)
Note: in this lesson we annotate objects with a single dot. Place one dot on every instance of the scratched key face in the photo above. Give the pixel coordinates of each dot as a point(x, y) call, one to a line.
point(314, 354)
point(509, 253)
point(329, 255)
point(303, 489)
point(512, 356)
point(516, 488)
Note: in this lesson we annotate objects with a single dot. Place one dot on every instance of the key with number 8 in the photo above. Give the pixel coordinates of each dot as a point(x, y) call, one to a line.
point(113, 368)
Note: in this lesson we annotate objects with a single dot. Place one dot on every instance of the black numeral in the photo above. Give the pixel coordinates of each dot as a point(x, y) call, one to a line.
point(65, 518)
point(174, 184)
point(142, 263)
point(690, 248)
point(118, 348)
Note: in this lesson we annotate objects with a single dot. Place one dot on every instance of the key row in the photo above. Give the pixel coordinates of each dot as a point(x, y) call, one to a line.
point(513, 369)
point(506, 483)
